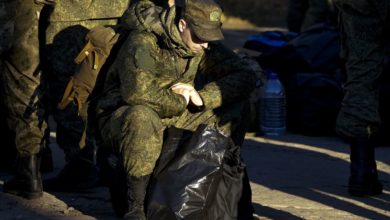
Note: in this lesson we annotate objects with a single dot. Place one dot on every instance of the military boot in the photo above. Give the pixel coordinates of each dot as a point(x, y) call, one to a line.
point(27, 181)
point(376, 186)
point(364, 176)
point(136, 191)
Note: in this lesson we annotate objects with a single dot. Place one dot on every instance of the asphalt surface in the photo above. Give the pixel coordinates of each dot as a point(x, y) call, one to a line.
point(300, 177)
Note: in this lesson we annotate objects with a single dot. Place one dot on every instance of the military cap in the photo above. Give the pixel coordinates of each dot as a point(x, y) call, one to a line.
point(204, 18)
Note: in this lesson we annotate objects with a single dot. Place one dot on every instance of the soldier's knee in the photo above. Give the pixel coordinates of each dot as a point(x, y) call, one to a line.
point(139, 119)
point(141, 114)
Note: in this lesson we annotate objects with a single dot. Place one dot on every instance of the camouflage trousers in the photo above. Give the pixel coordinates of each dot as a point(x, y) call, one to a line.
point(21, 76)
point(136, 132)
point(364, 26)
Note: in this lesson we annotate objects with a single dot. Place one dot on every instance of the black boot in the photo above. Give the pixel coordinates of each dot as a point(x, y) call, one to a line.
point(27, 181)
point(136, 191)
point(364, 176)
point(127, 192)
point(376, 186)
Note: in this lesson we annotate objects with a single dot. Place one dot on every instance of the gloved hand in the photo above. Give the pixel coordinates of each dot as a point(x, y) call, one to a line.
point(189, 93)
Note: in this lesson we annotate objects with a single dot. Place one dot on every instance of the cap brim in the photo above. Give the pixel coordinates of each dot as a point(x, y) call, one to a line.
point(208, 35)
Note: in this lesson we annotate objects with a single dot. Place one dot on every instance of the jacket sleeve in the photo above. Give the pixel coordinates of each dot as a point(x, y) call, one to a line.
point(139, 79)
point(228, 78)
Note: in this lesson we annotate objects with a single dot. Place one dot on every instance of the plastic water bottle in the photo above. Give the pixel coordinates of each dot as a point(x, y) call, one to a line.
point(273, 107)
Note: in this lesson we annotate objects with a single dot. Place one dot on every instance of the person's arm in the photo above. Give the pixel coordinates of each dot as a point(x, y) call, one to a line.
point(139, 81)
point(229, 78)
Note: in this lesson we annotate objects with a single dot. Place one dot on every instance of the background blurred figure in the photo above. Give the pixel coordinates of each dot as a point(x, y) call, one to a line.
point(302, 14)
point(364, 28)
point(21, 89)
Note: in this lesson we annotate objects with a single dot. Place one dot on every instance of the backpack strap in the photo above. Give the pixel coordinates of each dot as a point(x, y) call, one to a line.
point(68, 96)
point(84, 52)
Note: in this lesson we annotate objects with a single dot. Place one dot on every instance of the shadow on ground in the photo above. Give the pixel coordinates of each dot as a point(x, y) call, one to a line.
point(313, 172)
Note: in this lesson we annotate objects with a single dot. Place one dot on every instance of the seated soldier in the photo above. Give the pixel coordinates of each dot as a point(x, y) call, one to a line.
point(171, 72)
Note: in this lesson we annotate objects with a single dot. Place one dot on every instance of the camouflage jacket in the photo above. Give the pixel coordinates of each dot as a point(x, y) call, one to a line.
point(153, 59)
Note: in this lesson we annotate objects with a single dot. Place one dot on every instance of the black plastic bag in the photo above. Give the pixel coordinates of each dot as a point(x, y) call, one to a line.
point(201, 177)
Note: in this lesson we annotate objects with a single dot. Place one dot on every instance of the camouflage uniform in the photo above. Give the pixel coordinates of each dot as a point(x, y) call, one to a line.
point(69, 23)
point(305, 13)
point(20, 73)
point(137, 104)
point(20, 28)
point(365, 26)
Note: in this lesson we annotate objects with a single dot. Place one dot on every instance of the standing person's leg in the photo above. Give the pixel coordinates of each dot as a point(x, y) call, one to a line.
point(358, 120)
point(21, 80)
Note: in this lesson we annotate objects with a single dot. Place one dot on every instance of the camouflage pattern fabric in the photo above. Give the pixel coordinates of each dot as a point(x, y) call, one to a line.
point(137, 104)
point(365, 27)
point(65, 38)
point(20, 73)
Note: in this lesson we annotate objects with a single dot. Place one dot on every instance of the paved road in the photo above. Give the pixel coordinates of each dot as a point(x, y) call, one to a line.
point(292, 177)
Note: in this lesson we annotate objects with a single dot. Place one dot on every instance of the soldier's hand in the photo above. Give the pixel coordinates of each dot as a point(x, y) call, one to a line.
point(189, 93)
